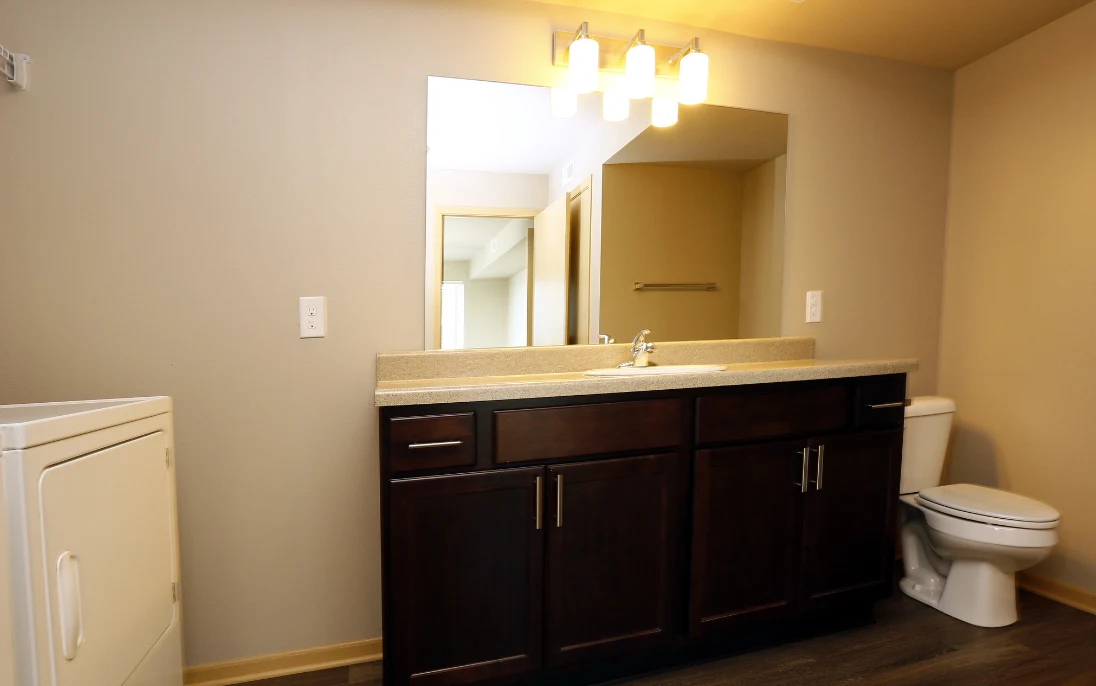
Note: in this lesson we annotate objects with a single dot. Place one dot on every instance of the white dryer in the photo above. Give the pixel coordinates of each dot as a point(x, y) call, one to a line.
point(89, 562)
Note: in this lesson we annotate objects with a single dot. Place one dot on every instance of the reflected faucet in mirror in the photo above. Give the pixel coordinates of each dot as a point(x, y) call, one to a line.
point(640, 350)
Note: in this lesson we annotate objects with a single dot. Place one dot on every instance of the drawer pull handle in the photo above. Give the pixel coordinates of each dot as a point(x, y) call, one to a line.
point(559, 500)
point(540, 503)
point(887, 406)
point(802, 483)
point(821, 456)
point(435, 444)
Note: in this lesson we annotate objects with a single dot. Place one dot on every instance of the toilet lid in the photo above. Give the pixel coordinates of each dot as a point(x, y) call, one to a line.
point(989, 502)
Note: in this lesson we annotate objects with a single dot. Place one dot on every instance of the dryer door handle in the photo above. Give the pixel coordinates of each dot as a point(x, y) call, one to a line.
point(69, 604)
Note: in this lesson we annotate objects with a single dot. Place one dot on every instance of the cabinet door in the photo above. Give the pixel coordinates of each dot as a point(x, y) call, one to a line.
point(849, 512)
point(466, 574)
point(612, 549)
point(746, 509)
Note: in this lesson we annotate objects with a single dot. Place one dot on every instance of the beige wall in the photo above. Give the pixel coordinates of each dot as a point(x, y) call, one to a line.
point(762, 273)
point(165, 217)
point(669, 224)
point(517, 310)
point(1019, 323)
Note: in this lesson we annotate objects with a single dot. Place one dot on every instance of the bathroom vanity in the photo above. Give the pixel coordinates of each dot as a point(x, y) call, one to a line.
point(574, 534)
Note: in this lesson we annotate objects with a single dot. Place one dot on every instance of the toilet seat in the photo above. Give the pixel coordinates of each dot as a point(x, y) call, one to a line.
point(989, 506)
point(982, 532)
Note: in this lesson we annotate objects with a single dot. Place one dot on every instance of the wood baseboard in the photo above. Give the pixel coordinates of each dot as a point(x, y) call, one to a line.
point(1066, 594)
point(282, 664)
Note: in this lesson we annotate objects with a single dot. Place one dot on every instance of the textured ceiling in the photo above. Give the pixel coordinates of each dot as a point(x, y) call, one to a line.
point(936, 33)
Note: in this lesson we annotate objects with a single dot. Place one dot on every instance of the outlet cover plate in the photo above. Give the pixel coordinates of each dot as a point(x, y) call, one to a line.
point(814, 307)
point(313, 316)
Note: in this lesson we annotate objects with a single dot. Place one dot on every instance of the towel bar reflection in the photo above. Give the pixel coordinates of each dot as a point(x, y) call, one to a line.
point(641, 286)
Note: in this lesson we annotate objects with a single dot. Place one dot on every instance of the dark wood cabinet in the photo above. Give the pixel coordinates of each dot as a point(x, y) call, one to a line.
point(773, 413)
point(849, 516)
point(746, 513)
point(612, 564)
point(466, 577)
point(554, 433)
point(593, 532)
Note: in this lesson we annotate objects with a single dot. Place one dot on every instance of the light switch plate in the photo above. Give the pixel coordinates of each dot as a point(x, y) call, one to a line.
point(313, 311)
point(814, 307)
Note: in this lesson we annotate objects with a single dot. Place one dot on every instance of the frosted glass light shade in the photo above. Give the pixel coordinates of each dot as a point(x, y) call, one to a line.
point(583, 64)
point(663, 111)
point(564, 102)
point(615, 105)
point(693, 80)
point(639, 71)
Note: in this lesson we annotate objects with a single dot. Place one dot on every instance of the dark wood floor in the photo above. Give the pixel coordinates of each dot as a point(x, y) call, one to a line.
point(909, 644)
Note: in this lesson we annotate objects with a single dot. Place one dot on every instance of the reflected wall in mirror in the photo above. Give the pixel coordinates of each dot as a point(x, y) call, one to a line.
point(545, 231)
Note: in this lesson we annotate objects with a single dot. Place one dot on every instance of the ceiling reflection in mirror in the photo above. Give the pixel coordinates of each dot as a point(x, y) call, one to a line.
point(556, 231)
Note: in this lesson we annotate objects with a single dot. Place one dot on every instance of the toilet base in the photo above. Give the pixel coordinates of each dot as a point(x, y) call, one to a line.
point(974, 591)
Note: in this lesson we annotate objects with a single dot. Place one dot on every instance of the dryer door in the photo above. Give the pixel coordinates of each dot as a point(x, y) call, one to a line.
point(106, 530)
point(7, 638)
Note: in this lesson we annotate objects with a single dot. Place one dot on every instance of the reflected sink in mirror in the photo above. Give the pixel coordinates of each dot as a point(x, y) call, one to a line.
point(655, 370)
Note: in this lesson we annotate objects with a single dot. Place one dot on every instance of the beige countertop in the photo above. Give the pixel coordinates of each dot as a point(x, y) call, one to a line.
point(571, 383)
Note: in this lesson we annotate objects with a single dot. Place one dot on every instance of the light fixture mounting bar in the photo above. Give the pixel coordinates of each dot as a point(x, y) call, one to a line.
point(583, 31)
point(693, 46)
point(640, 37)
point(612, 52)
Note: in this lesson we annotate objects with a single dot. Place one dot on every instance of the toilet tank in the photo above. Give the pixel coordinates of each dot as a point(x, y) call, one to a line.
point(928, 425)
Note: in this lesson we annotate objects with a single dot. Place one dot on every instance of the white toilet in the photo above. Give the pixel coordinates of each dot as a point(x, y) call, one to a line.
point(962, 544)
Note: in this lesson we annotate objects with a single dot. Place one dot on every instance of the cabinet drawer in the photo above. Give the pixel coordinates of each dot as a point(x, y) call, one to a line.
point(547, 433)
point(434, 442)
point(758, 414)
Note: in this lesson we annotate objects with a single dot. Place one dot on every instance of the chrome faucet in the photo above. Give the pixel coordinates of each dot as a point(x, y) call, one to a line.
point(640, 350)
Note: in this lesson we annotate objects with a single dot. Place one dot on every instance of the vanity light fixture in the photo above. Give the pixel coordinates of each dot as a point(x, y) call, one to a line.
point(615, 104)
point(645, 67)
point(692, 74)
point(564, 102)
point(584, 61)
point(639, 69)
point(663, 111)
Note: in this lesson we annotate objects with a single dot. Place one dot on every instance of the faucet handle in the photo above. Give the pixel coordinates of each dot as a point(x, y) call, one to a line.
point(640, 338)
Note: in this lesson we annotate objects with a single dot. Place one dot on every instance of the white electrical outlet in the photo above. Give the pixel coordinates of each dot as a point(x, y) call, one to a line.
point(814, 307)
point(313, 313)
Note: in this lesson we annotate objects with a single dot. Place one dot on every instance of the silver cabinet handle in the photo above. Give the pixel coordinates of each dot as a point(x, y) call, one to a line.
point(802, 483)
point(821, 456)
point(540, 502)
point(559, 500)
point(435, 444)
point(887, 406)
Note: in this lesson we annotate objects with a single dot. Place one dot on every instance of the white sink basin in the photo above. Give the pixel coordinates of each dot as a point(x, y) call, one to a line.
point(655, 370)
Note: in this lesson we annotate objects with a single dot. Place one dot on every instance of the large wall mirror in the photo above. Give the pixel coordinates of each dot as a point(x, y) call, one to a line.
point(556, 231)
